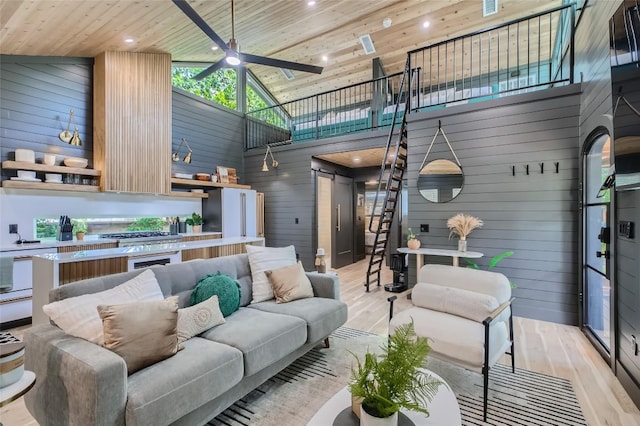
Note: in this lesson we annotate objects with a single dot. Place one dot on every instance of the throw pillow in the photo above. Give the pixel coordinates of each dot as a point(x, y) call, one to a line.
point(199, 318)
point(78, 317)
point(265, 259)
point(223, 286)
point(142, 333)
point(290, 283)
point(473, 305)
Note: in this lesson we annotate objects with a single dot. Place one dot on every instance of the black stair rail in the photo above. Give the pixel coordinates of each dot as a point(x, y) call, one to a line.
point(393, 186)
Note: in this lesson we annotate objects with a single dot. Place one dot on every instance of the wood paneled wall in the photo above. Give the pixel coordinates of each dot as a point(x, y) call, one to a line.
point(36, 95)
point(132, 121)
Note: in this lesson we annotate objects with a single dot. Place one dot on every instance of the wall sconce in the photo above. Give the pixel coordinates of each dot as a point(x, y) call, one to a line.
point(274, 163)
point(176, 155)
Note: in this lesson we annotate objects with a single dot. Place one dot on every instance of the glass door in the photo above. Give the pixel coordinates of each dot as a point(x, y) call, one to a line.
point(596, 241)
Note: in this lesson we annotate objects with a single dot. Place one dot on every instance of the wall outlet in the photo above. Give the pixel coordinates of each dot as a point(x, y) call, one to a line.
point(424, 227)
point(13, 228)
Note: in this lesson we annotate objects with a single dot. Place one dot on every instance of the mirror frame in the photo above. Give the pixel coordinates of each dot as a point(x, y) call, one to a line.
point(420, 190)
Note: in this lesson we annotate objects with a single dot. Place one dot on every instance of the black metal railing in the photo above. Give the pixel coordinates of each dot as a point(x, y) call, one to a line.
point(528, 54)
point(624, 34)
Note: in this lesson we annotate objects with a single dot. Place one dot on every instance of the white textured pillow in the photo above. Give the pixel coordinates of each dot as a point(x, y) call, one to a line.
point(463, 303)
point(78, 316)
point(199, 318)
point(265, 259)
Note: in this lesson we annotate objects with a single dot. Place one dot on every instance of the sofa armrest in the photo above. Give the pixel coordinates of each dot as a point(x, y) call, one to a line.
point(77, 382)
point(325, 285)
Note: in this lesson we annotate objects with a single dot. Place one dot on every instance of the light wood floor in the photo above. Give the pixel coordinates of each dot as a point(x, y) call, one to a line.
point(548, 348)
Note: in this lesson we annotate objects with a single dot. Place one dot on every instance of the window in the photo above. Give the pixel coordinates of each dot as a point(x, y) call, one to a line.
point(219, 87)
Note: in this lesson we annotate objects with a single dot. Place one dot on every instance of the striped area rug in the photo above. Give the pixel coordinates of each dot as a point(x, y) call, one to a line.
point(293, 396)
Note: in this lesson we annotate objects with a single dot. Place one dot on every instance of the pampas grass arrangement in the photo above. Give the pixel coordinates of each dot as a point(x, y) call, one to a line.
point(462, 225)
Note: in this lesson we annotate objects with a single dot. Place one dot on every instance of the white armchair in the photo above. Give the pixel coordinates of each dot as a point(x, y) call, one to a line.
point(465, 313)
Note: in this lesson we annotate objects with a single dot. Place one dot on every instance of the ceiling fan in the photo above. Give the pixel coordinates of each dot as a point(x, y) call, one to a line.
point(232, 54)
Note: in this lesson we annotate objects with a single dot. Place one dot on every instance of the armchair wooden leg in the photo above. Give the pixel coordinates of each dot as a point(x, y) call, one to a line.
point(326, 342)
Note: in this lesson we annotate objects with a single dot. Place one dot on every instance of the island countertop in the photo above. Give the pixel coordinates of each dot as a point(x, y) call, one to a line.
point(148, 249)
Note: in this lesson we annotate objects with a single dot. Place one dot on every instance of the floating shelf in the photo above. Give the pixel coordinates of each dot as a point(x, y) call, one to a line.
point(200, 183)
point(21, 165)
point(188, 194)
point(49, 186)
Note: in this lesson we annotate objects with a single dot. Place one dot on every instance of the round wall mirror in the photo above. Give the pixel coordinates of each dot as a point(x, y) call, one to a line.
point(440, 181)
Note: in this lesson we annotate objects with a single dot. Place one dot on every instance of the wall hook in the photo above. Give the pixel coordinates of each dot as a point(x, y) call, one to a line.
point(541, 168)
point(557, 164)
point(527, 168)
point(513, 170)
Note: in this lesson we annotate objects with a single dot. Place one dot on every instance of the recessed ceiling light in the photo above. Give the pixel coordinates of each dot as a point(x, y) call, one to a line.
point(311, 3)
point(129, 40)
point(214, 47)
point(357, 159)
point(426, 24)
point(386, 22)
point(325, 58)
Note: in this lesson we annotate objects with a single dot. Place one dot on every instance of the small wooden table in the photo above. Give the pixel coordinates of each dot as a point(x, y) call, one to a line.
point(443, 410)
point(455, 254)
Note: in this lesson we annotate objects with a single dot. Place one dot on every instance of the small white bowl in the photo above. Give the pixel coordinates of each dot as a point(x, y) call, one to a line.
point(26, 174)
point(197, 191)
point(80, 163)
point(25, 155)
point(53, 177)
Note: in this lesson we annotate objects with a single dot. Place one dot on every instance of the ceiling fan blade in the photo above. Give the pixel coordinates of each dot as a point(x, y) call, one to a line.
point(279, 63)
point(193, 15)
point(213, 68)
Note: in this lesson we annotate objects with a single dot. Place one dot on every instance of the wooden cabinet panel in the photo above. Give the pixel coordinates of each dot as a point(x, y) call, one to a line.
point(70, 272)
point(132, 121)
point(88, 246)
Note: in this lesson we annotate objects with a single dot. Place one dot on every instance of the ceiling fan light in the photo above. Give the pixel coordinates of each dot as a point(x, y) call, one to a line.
point(232, 59)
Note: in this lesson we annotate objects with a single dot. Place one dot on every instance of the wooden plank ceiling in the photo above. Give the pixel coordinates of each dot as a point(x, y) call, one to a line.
point(285, 29)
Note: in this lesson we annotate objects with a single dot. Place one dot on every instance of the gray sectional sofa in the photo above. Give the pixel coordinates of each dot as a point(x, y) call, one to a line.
point(81, 383)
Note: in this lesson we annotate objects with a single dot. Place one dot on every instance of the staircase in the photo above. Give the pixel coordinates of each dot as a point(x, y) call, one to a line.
point(394, 174)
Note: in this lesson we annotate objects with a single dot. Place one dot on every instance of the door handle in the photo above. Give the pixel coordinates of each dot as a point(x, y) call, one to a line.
point(338, 224)
point(604, 254)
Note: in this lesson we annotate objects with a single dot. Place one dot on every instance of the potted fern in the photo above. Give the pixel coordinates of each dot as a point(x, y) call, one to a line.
point(393, 380)
point(195, 221)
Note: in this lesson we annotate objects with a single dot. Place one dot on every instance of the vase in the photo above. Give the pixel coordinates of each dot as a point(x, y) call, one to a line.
point(413, 244)
point(196, 229)
point(367, 419)
point(462, 244)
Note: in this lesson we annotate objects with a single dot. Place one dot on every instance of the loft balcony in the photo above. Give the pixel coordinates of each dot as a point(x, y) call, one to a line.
point(529, 54)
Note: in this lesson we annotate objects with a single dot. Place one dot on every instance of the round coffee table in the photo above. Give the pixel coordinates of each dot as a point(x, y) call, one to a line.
point(443, 410)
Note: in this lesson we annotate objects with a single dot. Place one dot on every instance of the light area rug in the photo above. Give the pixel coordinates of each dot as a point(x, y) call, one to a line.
point(293, 396)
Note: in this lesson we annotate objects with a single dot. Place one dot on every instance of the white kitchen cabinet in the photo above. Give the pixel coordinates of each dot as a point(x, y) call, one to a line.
point(15, 304)
point(231, 211)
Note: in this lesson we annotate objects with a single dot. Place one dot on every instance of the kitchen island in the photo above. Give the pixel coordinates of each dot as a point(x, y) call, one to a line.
point(54, 269)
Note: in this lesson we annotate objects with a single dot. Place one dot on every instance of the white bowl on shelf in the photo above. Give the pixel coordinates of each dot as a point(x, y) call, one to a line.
point(25, 155)
point(76, 162)
point(53, 177)
point(26, 174)
point(197, 191)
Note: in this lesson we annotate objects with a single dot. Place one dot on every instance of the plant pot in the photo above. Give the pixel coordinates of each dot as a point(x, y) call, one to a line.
point(196, 229)
point(413, 244)
point(462, 245)
point(80, 236)
point(367, 419)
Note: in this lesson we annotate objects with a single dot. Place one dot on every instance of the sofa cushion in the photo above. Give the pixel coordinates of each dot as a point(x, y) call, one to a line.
point(79, 317)
point(322, 315)
point(223, 286)
point(262, 259)
point(166, 391)
point(463, 303)
point(142, 333)
point(262, 337)
point(453, 338)
point(289, 283)
point(198, 318)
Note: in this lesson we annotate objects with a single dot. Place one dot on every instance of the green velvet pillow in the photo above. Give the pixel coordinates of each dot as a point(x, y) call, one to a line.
point(223, 286)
